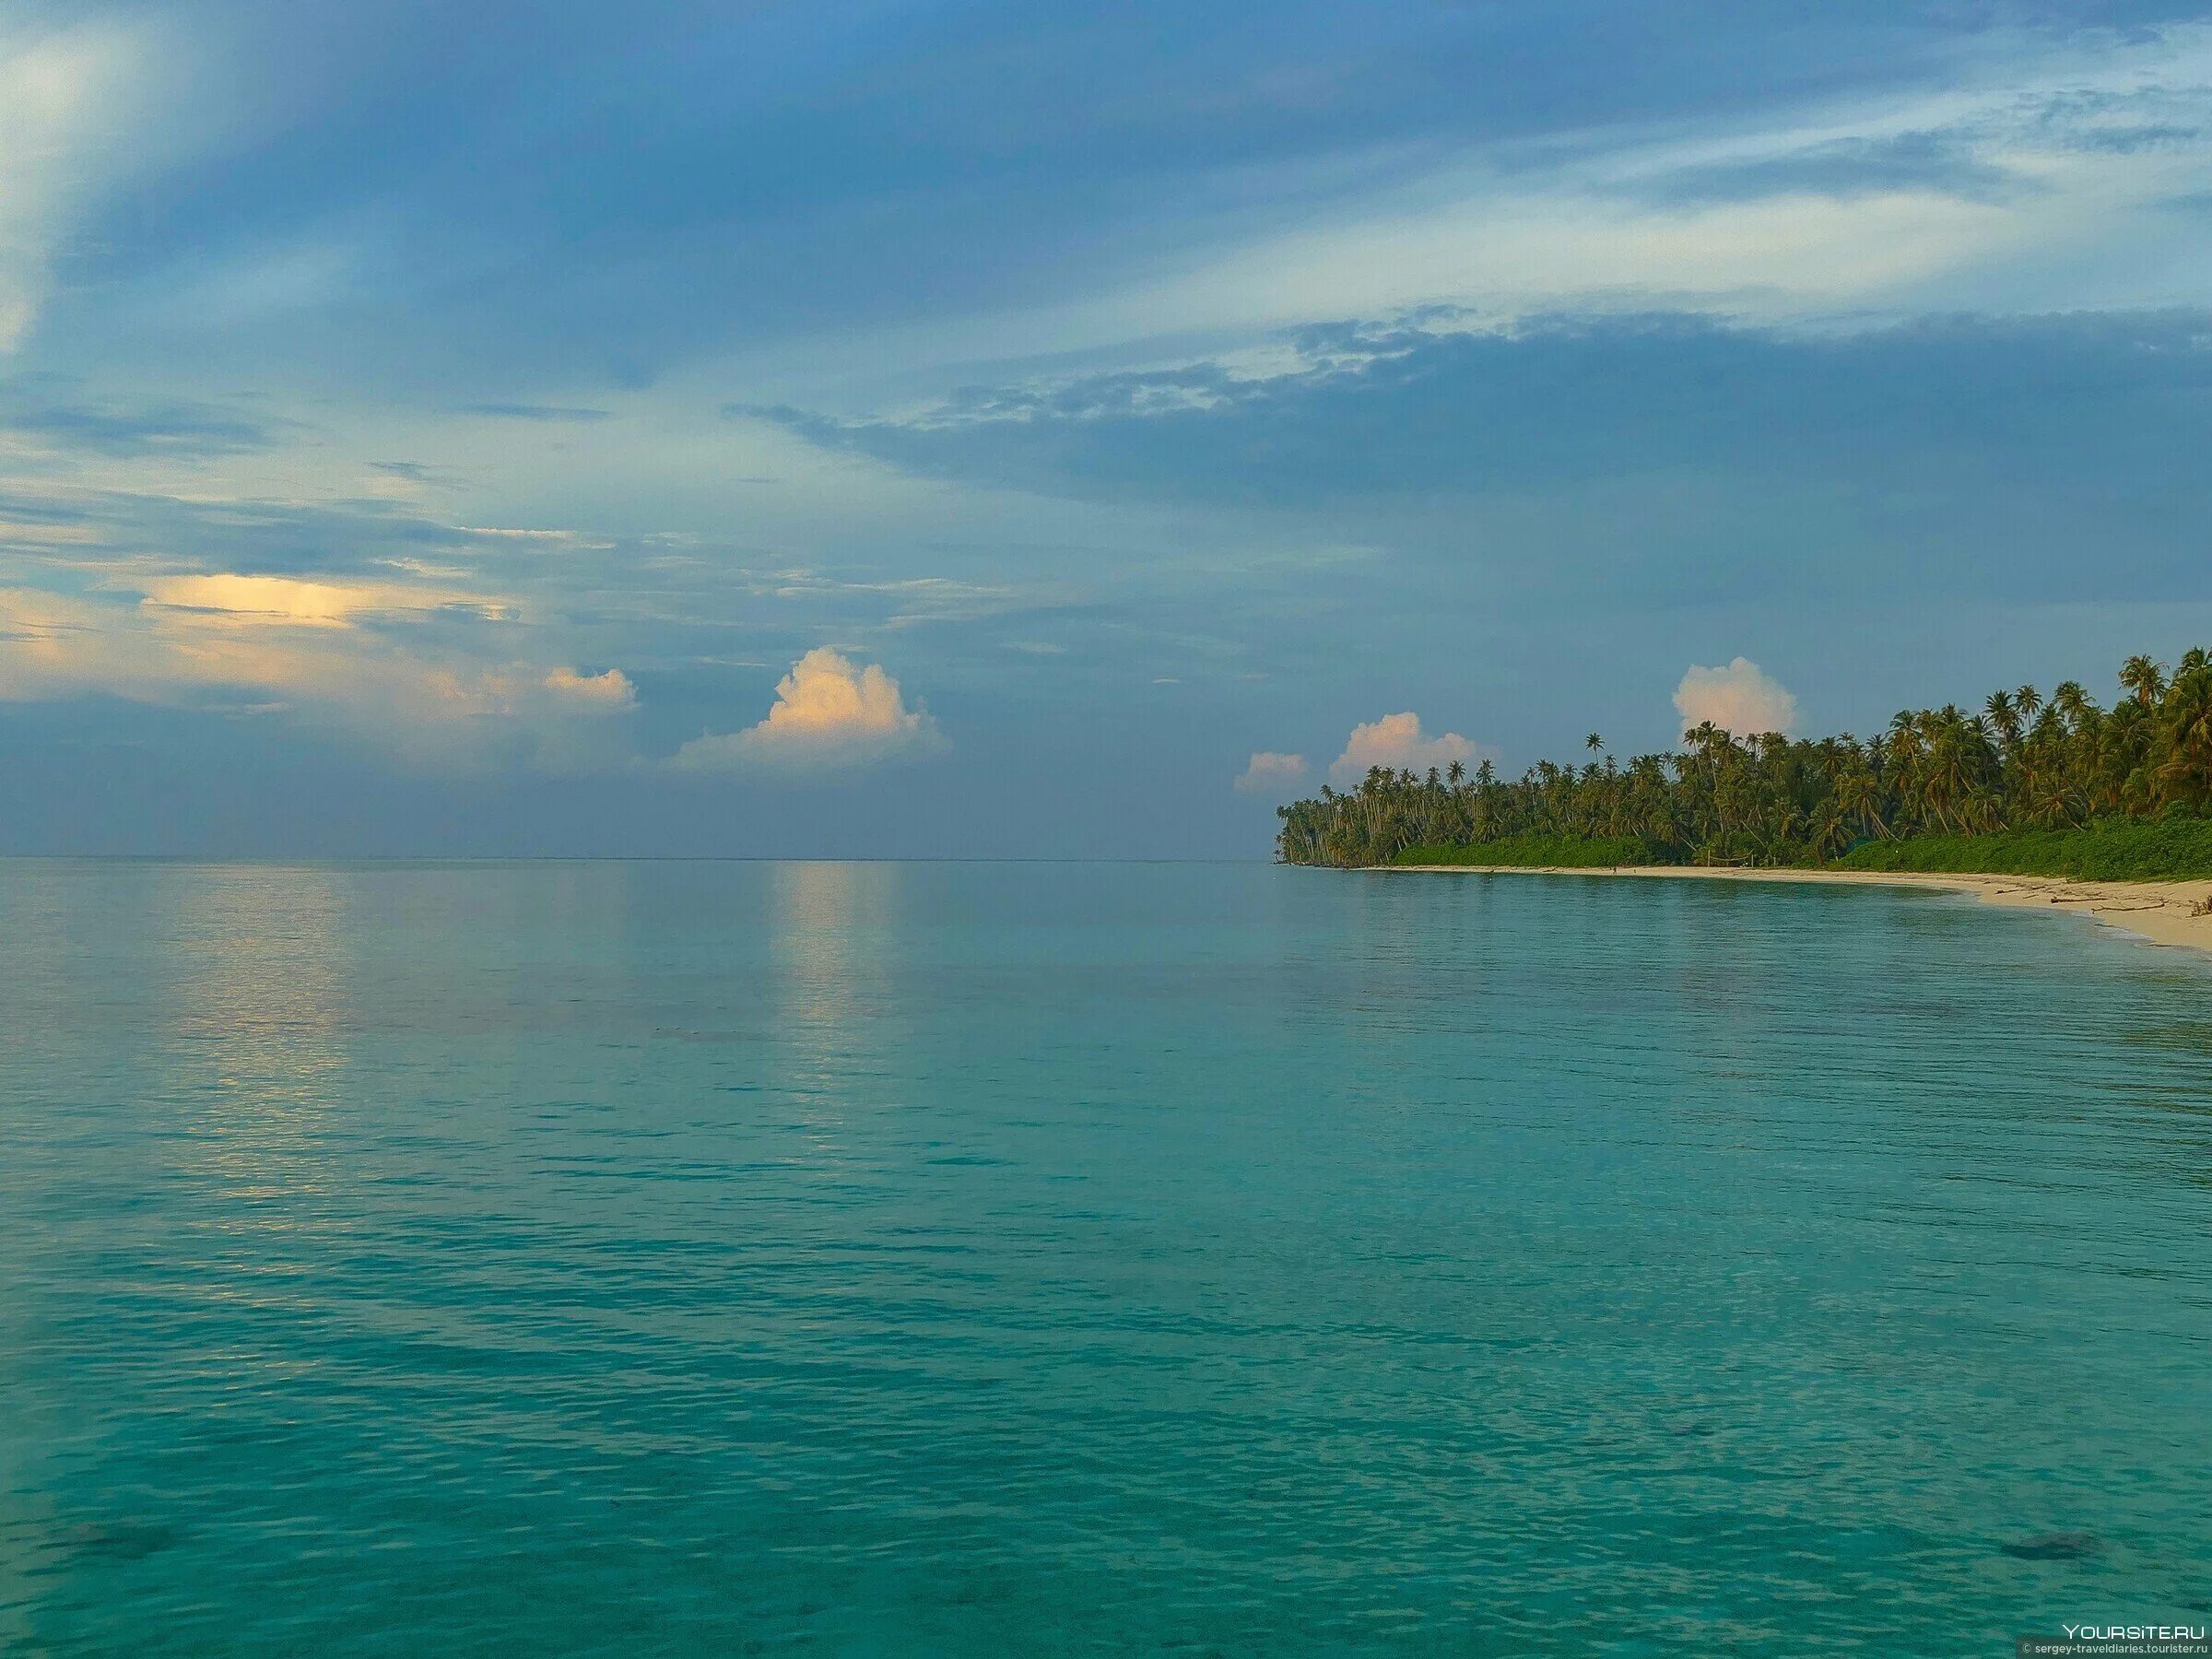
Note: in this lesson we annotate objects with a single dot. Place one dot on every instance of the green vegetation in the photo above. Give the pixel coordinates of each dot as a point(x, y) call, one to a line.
point(2057, 785)
point(1534, 851)
point(2113, 850)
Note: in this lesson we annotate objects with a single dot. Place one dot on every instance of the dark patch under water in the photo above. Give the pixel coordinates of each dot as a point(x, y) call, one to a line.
point(2054, 1547)
point(119, 1540)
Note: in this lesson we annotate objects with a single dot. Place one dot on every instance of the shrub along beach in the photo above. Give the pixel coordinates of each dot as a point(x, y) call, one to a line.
point(2055, 788)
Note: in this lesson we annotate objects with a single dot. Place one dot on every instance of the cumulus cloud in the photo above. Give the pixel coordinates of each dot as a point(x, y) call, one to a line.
point(606, 692)
point(1396, 743)
point(829, 711)
point(1267, 773)
point(1741, 699)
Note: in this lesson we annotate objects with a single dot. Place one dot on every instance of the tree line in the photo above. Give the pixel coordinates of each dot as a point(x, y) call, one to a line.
point(2024, 761)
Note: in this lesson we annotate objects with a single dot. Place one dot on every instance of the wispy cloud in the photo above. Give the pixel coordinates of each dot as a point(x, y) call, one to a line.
point(538, 412)
point(60, 95)
point(287, 601)
point(361, 656)
point(34, 415)
point(1929, 198)
point(2059, 429)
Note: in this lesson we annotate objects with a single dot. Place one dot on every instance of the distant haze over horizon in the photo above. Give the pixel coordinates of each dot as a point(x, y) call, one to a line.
point(987, 429)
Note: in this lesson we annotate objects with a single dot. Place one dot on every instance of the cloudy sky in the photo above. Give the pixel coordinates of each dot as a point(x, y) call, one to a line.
point(930, 429)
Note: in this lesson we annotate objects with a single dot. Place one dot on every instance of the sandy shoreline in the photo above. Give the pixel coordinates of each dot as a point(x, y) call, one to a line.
point(2157, 911)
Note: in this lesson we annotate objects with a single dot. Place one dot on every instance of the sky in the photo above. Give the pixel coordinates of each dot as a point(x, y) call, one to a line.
point(995, 430)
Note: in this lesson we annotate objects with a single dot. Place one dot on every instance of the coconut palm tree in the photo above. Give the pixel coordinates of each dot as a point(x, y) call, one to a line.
point(2004, 716)
point(2145, 680)
point(2024, 760)
point(2186, 772)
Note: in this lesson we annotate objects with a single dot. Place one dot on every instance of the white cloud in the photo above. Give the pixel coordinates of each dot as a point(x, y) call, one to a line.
point(289, 602)
point(610, 691)
point(829, 711)
point(297, 647)
point(1741, 699)
point(1396, 743)
point(60, 95)
point(56, 644)
point(1610, 219)
point(1267, 773)
point(1506, 255)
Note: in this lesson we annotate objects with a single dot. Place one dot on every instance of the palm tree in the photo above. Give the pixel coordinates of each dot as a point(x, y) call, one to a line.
point(2004, 716)
point(2187, 773)
point(2024, 760)
point(2144, 678)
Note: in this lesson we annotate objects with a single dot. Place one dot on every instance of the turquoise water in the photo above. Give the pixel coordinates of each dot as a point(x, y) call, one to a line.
point(719, 1258)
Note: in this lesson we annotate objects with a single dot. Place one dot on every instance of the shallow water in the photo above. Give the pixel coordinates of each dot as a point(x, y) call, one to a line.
point(561, 1258)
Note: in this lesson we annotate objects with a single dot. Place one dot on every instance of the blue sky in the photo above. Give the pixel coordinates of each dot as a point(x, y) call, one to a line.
point(906, 429)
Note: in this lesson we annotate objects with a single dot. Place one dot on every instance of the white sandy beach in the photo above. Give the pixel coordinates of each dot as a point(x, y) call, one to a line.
point(2165, 912)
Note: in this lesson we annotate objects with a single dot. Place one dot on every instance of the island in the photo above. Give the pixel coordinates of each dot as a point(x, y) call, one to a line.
point(2034, 799)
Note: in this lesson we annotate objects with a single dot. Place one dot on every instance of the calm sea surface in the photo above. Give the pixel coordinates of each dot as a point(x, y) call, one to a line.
point(874, 1259)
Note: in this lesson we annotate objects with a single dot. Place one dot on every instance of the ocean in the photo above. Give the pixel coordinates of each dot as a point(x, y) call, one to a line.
point(561, 1258)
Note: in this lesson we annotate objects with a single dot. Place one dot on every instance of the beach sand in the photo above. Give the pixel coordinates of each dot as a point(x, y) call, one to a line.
point(2159, 912)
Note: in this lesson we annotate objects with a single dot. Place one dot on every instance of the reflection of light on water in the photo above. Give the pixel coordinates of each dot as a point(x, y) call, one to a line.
point(831, 923)
point(257, 1034)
